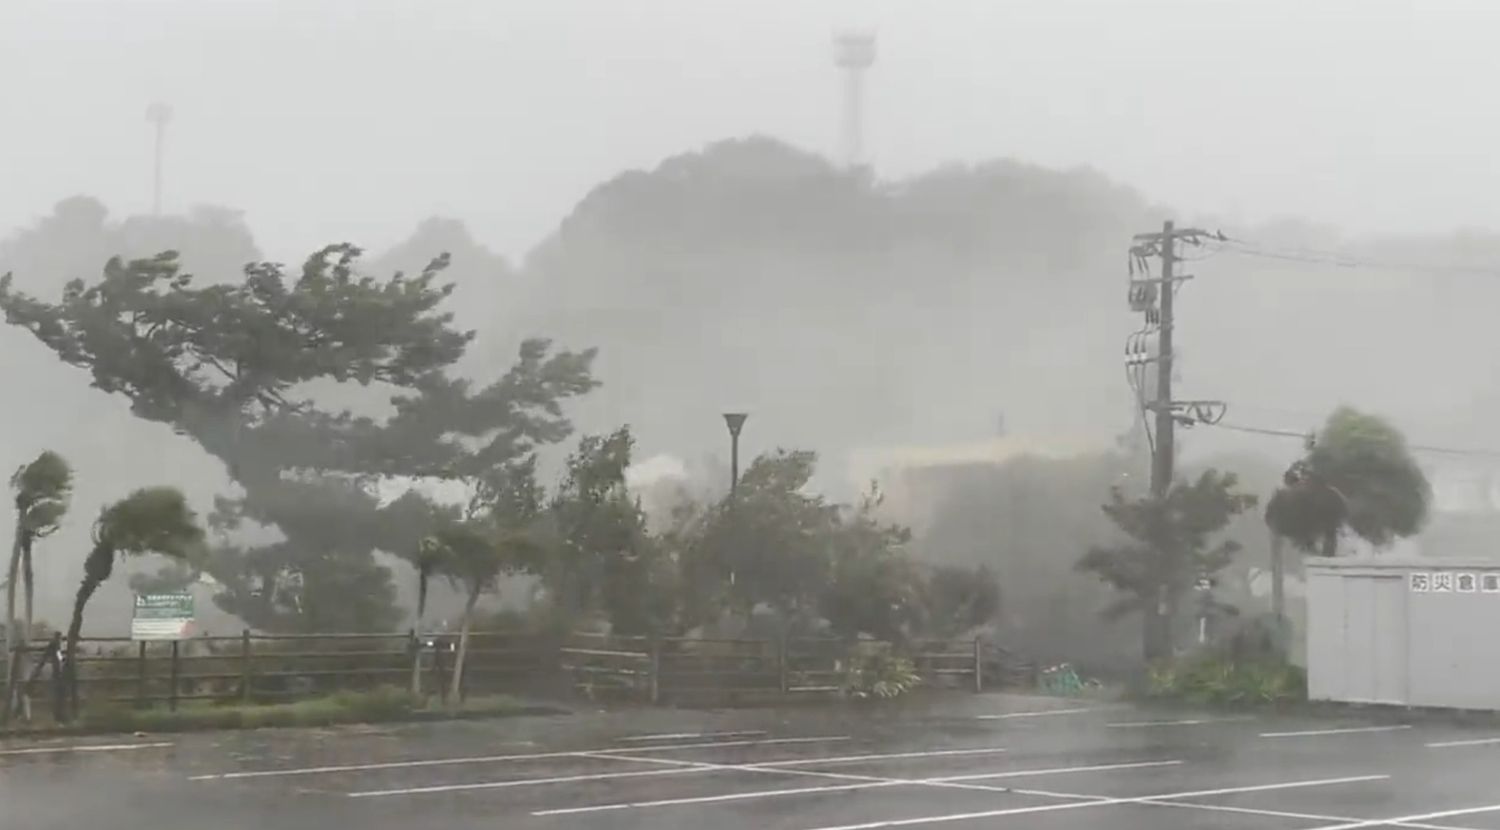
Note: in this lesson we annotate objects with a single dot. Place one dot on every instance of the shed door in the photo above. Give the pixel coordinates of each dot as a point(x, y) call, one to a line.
point(1375, 628)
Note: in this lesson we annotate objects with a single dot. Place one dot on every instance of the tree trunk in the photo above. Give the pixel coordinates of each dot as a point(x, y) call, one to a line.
point(28, 587)
point(1331, 543)
point(416, 657)
point(1152, 641)
point(86, 590)
point(1157, 621)
point(12, 655)
point(1278, 577)
point(463, 648)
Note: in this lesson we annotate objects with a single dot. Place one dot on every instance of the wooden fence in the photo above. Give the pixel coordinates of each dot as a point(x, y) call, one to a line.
point(265, 668)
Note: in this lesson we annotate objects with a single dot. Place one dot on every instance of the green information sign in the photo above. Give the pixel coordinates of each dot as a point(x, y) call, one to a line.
point(162, 616)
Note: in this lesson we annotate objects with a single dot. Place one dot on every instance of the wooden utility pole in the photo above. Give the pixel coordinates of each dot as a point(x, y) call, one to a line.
point(1162, 314)
point(1162, 460)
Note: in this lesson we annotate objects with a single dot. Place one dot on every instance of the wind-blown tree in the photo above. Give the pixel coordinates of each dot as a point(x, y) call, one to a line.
point(769, 542)
point(42, 490)
point(603, 558)
point(1358, 475)
point(150, 520)
point(259, 373)
point(1170, 549)
point(411, 524)
point(498, 535)
point(872, 586)
point(958, 599)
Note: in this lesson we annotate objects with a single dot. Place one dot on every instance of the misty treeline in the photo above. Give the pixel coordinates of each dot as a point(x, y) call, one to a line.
point(236, 367)
point(848, 312)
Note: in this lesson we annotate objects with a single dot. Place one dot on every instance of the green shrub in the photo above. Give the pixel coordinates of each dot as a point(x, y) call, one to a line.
point(1218, 680)
point(879, 676)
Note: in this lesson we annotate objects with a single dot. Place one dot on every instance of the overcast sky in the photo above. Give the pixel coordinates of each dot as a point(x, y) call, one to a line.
point(353, 119)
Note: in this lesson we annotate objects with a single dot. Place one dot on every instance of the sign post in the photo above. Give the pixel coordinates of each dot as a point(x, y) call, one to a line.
point(162, 616)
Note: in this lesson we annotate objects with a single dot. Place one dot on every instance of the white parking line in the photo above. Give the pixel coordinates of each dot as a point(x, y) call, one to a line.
point(1381, 822)
point(862, 785)
point(1471, 742)
point(1349, 731)
point(1101, 802)
point(524, 782)
point(1253, 811)
point(1145, 724)
point(855, 759)
point(683, 736)
point(492, 759)
point(53, 750)
point(1038, 714)
point(678, 768)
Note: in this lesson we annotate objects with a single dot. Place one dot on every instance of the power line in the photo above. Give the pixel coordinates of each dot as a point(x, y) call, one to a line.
point(1339, 259)
point(1303, 435)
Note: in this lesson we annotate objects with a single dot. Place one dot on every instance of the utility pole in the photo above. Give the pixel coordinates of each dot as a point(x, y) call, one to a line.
point(158, 114)
point(1155, 298)
point(1162, 459)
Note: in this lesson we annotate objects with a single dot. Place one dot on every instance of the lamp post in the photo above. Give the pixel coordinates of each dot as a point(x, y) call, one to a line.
point(735, 421)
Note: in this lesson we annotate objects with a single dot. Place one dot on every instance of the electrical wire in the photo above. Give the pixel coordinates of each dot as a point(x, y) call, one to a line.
point(1419, 448)
point(1338, 259)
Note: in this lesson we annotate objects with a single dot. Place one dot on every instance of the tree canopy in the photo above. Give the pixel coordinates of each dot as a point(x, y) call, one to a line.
point(251, 371)
point(1171, 547)
point(1358, 474)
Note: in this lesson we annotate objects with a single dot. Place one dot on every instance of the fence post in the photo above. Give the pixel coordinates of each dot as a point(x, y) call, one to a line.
point(655, 669)
point(978, 666)
point(176, 667)
point(140, 676)
point(245, 668)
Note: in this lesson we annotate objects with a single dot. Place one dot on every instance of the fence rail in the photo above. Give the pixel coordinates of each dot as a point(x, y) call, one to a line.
point(259, 667)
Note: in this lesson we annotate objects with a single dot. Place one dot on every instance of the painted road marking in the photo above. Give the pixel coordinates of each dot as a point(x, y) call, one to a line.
point(678, 767)
point(1038, 714)
point(1101, 802)
point(1348, 731)
point(491, 759)
point(684, 736)
point(1144, 724)
point(889, 782)
point(53, 750)
point(1381, 822)
point(855, 759)
point(1253, 811)
point(524, 782)
point(1471, 742)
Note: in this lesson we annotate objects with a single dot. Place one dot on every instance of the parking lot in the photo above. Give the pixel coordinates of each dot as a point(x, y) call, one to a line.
point(980, 761)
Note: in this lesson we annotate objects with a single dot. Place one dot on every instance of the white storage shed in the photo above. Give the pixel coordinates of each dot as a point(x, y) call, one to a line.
point(1404, 630)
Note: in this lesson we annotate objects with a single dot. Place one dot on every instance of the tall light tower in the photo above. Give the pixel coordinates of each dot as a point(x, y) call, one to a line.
point(853, 53)
point(158, 114)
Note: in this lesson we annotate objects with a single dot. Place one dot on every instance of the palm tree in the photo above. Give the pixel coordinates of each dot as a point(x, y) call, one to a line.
point(149, 520)
point(427, 560)
point(498, 537)
point(408, 525)
point(474, 556)
point(42, 490)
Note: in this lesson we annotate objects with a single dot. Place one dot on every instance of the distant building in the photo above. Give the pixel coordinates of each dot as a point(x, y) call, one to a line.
point(913, 478)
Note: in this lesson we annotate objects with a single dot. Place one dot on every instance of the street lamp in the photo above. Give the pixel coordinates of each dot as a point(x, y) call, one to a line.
point(735, 420)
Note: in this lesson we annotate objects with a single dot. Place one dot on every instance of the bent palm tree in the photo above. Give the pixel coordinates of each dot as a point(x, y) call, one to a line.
point(42, 490)
point(150, 520)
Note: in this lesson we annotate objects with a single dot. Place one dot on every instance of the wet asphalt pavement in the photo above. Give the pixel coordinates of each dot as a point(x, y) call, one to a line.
point(962, 762)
